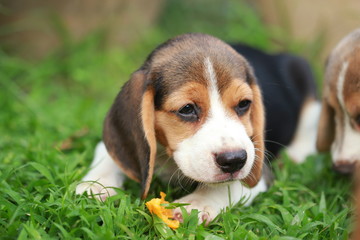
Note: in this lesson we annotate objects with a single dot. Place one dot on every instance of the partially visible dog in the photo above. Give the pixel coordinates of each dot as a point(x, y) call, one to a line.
point(198, 98)
point(339, 126)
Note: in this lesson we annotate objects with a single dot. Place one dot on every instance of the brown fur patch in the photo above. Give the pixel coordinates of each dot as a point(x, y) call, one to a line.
point(352, 104)
point(326, 127)
point(352, 77)
point(170, 129)
point(115, 137)
point(352, 88)
point(129, 133)
point(238, 90)
point(148, 123)
point(258, 124)
point(227, 67)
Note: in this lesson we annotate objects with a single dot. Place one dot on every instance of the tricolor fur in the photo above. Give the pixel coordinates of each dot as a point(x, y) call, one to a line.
point(339, 127)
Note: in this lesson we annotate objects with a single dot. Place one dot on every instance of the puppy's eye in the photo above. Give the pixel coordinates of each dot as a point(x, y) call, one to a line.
point(242, 107)
point(188, 113)
point(187, 109)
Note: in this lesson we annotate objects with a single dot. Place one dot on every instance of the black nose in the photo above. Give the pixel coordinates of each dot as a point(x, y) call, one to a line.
point(231, 162)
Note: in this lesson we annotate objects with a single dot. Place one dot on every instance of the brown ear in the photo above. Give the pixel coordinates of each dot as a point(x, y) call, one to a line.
point(129, 133)
point(258, 121)
point(326, 128)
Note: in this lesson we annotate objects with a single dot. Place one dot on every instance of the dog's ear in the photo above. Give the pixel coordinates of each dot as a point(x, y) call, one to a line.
point(326, 128)
point(258, 121)
point(129, 133)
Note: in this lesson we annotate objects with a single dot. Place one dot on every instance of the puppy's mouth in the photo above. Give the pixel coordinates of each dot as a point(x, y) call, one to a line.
point(226, 177)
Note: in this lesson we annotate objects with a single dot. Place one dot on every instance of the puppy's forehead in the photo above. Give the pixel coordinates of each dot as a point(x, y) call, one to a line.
point(352, 77)
point(346, 50)
point(343, 77)
point(187, 60)
point(351, 88)
point(341, 74)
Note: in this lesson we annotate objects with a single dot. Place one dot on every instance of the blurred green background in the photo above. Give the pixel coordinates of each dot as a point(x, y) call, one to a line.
point(35, 30)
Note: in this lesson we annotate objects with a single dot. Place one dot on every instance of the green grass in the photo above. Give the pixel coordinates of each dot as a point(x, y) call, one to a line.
point(63, 99)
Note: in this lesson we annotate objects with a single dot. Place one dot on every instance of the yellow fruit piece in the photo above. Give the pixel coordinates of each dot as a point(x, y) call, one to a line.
point(155, 207)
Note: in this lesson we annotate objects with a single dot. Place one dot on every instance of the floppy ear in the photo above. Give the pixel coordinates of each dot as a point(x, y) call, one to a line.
point(129, 133)
point(326, 128)
point(258, 121)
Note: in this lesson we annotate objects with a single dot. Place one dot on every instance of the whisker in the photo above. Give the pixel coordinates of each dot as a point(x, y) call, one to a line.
point(270, 141)
point(182, 180)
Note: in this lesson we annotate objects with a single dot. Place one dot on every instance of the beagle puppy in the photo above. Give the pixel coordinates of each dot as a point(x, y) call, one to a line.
point(197, 99)
point(339, 126)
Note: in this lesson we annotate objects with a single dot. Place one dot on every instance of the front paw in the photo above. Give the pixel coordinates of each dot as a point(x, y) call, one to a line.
point(207, 210)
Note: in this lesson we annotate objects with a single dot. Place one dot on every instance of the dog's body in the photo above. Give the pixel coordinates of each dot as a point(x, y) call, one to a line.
point(199, 98)
point(289, 93)
point(339, 126)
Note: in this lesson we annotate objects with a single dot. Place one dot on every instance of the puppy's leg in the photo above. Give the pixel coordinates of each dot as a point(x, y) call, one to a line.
point(304, 142)
point(103, 177)
point(209, 200)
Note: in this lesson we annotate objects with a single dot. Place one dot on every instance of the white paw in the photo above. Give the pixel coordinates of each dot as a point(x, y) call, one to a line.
point(207, 210)
point(103, 177)
point(304, 140)
point(95, 189)
point(298, 154)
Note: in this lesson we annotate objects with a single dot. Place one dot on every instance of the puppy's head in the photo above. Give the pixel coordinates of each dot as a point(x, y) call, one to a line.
point(339, 126)
point(199, 98)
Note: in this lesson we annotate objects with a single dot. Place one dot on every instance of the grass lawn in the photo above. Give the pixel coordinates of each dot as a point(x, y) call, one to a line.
point(51, 119)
